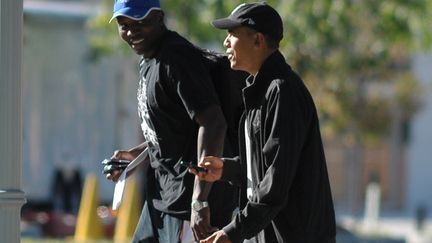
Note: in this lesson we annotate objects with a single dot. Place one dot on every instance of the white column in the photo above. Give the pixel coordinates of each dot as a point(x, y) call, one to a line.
point(11, 196)
point(372, 207)
point(419, 166)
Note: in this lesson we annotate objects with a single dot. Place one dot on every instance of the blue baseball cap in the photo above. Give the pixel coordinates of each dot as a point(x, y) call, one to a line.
point(134, 9)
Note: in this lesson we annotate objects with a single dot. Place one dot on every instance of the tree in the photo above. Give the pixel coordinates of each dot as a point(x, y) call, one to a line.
point(354, 55)
point(341, 47)
point(191, 18)
point(344, 47)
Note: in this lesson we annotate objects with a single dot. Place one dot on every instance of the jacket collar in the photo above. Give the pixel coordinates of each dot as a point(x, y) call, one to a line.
point(257, 86)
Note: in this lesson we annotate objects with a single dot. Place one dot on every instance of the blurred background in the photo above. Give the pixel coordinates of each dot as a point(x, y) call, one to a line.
point(367, 63)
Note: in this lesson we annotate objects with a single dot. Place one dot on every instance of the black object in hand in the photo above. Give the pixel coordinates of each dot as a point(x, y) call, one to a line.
point(193, 166)
point(115, 162)
point(111, 165)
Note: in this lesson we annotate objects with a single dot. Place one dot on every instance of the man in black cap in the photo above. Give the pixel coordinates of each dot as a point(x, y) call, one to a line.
point(281, 169)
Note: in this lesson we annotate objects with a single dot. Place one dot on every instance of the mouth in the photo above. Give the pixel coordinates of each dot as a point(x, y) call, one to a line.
point(136, 42)
point(230, 55)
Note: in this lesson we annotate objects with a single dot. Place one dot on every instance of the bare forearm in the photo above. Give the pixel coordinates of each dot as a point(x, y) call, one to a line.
point(138, 149)
point(210, 141)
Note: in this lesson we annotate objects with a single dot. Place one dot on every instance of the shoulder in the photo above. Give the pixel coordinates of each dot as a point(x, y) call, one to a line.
point(176, 47)
point(290, 88)
point(287, 81)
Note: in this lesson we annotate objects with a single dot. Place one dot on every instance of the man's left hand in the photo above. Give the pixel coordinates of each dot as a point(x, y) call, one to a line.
point(200, 224)
point(217, 237)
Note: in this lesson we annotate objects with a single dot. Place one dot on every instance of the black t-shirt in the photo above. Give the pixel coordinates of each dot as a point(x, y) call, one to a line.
point(174, 86)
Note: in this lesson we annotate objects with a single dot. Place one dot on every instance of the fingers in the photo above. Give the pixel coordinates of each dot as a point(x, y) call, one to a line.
point(123, 155)
point(214, 169)
point(211, 162)
point(109, 168)
point(205, 230)
point(203, 176)
point(116, 154)
point(114, 166)
point(200, 223)
point(193, 171)
point(114, 175)
point(195, 235)
point(213, 229)
point(201, 231)
point(209, 239)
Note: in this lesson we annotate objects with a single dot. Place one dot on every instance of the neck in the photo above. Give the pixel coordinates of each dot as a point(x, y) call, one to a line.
point(260, 61)
point(160, 35)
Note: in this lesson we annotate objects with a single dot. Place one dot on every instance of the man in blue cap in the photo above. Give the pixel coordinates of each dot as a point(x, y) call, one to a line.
point(281, 169)
point(181, 120)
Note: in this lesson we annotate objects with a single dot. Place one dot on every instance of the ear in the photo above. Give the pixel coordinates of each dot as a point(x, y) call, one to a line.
point(256, 40)
point(259, 39)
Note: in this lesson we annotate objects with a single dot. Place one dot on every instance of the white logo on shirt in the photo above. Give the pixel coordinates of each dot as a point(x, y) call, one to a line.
point(148, 132)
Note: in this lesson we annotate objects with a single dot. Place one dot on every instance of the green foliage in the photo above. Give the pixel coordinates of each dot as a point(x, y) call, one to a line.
point(353, 54)
point(104, 38)
point(193, 18)
point(346, 49)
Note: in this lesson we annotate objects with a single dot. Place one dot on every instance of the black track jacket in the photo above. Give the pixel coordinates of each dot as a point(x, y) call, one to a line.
point(291, 199)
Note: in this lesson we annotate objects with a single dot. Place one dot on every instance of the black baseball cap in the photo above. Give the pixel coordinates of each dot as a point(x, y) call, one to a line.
point(258, 16)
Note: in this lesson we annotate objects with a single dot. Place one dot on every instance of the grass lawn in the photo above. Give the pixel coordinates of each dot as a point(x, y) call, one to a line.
point(30, 240)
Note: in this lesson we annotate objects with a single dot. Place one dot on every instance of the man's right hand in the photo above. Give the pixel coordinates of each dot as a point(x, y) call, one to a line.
point(214, 166)
point(114, 174)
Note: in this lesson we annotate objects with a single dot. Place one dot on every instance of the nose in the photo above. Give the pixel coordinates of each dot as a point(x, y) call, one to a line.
point(226, 42)
point(131, 31)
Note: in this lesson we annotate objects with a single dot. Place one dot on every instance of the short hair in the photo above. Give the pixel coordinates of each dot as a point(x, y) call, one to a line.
point(272, 43)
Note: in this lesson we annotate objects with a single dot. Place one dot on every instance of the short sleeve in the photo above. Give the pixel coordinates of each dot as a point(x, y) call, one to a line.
point(191, 80)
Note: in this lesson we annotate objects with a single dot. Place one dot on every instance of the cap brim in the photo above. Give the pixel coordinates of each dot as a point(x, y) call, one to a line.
point(132, 13)
point(226, 23)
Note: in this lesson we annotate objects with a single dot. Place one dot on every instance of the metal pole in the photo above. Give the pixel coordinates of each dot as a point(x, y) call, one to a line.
point(11, 196)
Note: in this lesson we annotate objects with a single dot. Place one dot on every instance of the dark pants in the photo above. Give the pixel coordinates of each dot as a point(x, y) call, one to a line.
point(154, 226)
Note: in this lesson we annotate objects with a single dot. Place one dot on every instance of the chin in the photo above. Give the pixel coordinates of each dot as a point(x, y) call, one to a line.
point(138, 51)
point(235, 67)
point(141, 53)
